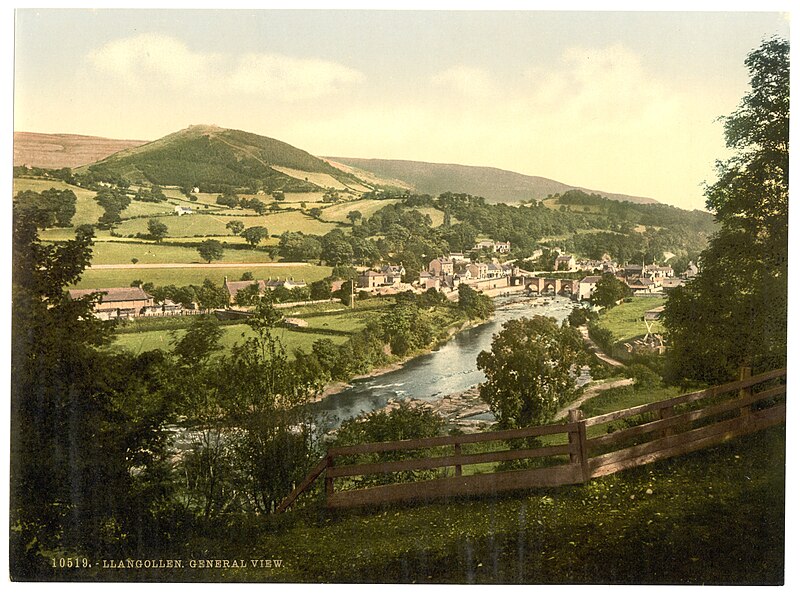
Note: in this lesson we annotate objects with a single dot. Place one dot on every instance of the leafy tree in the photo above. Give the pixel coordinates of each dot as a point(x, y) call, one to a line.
point(529, 370)
point(210, 249)
point(353, 216)
point(157, 230)
point(315, 212)
point(247, 276)
point(86, 445)
point(405, 421)
point(734, 312)
point(608, 291)
point(211, 296)
point(321, 289)
point(200, 341)
point(298, 247)
point(474, 304)
point(255, 235)
point(113, 203)
point(235, 227)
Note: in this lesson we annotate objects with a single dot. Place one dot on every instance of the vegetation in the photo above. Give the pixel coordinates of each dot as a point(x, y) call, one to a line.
point(734, 312)
point(529, 371)
point(609, 291)
point(210, 249)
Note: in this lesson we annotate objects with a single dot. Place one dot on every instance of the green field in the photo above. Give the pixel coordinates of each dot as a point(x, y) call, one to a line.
point(87, 209)
point(203, 224)
point(626, 320)
point(139, 342)
point(103, 278)
point(338, 212)
point(115, 252)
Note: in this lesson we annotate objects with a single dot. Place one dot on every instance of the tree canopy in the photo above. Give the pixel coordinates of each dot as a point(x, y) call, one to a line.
point(734, 312)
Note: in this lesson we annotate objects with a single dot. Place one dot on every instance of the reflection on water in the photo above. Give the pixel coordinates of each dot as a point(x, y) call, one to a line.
point(452, 368)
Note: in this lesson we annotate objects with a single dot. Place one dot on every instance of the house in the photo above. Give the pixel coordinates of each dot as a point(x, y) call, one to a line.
point(691, 270)
point(672, 282)
point(655, 271)
point(166, 308)
point(428, 280)
point(440, 266)
point(644, 286)
point(233, 287)
point(565, 262)
point(478, 270)
point(496, 247)
point(183, 210)
point(371, 279)
point(117, 302)
point(494, 270)
point(586, 287)
point(394, 274)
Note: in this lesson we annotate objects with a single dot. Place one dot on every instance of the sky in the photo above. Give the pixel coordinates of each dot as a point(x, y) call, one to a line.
point(619, 101)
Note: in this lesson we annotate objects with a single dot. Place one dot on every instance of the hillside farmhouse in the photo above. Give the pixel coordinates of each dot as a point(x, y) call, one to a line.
point(117, 302)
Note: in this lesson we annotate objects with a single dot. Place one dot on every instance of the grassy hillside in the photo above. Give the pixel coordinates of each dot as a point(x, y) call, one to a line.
point(496, 185)
point(211, 156)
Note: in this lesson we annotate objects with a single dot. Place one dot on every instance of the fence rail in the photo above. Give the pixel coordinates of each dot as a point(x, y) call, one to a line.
point(557, 454)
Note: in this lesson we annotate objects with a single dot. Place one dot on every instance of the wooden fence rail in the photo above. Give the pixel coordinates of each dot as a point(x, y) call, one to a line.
point(558, 454)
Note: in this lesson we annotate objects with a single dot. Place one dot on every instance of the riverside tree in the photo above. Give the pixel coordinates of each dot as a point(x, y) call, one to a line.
point(734, 312)
point(530, 370)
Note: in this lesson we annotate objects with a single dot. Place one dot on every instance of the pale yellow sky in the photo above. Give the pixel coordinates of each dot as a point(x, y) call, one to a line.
point(620, 102)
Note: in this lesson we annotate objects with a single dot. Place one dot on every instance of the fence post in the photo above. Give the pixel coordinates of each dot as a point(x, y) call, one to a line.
point(578, 438)
point(328, 478)
point(665, 413)
point(457, 451)
point(745, 373)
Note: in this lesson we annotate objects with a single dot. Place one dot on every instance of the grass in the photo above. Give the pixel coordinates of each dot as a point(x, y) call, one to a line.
point(86, 208)
point(187, 276)
point(338, 212)
point(711, 517)
point(140, 342)
point(213, 224)
point(626, 320)
point(109, 252)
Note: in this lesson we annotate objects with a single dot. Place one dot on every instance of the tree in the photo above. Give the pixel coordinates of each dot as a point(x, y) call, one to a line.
point(157, 230)
point(530, 370)
point(734, 312)
point(353, 216)
point(609, 291)
point(474, 304)
point(235, 227)
point(255, 235)
point(85, 423)
point(210, 249)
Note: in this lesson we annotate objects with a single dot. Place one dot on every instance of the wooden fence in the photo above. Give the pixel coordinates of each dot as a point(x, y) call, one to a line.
point(553, 455)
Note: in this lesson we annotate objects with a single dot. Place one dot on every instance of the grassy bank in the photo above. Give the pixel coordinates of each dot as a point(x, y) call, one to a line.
point(626, 320)
point(712, 517)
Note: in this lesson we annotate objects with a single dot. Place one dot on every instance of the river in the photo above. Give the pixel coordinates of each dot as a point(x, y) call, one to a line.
point(449, 369)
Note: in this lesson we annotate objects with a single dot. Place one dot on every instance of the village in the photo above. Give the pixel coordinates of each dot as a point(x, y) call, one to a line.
point(444, 274)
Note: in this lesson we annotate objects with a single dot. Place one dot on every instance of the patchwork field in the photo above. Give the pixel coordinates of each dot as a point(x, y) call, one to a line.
point(116, 252)
point(338, 212)
point(103, 278)
point(626, 320)
point(140, 342)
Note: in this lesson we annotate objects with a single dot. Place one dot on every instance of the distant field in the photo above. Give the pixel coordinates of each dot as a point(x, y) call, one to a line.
point(140, 342)
point(338, 212)
point(93, 279)
point(109, 252)
point(436, 215)
point(323, 180)
point(202, 224)
point(87, 209)
point(626, 320)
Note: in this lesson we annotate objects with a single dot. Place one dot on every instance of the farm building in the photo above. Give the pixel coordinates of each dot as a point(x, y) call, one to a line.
point(117, 302)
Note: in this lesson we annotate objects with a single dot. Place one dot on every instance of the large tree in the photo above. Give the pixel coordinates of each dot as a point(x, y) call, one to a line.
point(530, 370)
point(210, 249)
point(734, 312)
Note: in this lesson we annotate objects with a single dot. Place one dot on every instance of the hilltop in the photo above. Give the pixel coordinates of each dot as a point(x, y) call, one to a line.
point(496, 185)
point(210, 157)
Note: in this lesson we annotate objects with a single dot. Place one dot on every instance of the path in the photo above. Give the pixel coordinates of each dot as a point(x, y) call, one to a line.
point(596, 349)
point(591, 393)
point(197, 265)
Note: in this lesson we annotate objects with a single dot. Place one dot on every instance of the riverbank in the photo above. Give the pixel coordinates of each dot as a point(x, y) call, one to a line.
point(333, 388)
point(337, 387)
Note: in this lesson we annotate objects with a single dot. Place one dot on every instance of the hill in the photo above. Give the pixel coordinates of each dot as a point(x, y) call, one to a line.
point(212, 158)
point(55, 151)
point(496, 185)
